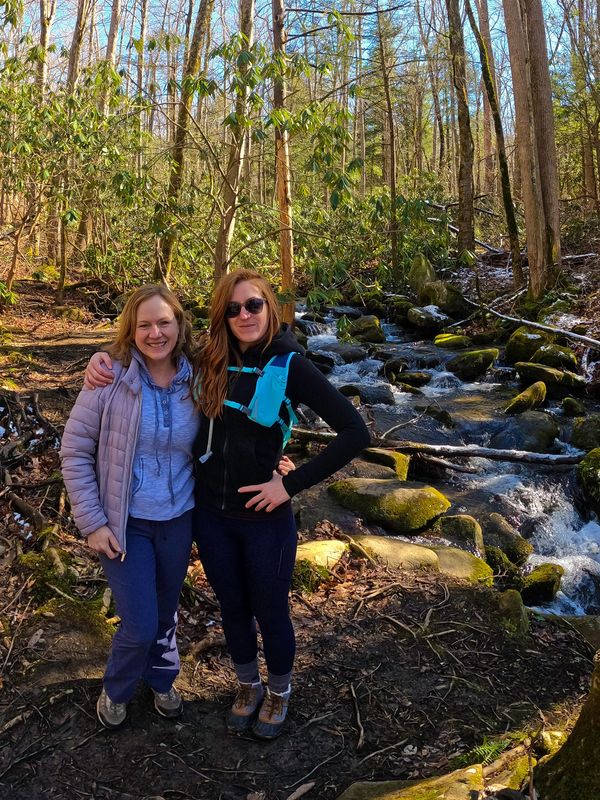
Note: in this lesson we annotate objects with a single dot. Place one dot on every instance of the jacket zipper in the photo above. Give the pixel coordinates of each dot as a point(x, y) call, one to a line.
point(125, 502)
point(224, 472)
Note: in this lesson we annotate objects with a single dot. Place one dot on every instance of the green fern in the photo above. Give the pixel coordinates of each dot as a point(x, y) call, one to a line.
point(484, 753)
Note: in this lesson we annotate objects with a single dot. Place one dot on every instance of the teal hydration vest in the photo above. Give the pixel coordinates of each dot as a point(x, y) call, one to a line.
point(268, 401)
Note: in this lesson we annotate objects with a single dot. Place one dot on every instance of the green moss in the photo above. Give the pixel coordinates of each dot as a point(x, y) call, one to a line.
point(473, 364)
point(586, 432)
point(515, 619)
point(573, 408)
point(529, 399)
point(542, 584)
point(308, 576)
point(529, 372)
point(588, 474)
point(524, 342)
point(399, 462)
point(452, 341)
point(50, 568)
point(506, 574)
point(86, 615)
point(553, 355)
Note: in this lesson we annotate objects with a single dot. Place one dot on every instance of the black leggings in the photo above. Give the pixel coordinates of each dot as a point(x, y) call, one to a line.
point(249, 564)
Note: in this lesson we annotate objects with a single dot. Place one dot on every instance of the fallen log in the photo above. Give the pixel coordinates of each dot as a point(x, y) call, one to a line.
point(447, 450)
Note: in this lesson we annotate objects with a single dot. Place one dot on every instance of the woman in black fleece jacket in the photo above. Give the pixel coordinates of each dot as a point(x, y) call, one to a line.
point(245, 529)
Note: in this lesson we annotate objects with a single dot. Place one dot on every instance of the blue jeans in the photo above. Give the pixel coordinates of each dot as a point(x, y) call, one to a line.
point(249, 565)
point(146, 588)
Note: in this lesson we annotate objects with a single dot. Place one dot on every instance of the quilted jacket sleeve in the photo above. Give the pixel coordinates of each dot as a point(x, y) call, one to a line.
point(78, 458)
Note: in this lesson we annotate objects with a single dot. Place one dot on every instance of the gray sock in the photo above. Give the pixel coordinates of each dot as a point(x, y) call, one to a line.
point(247, 673)
point(279, 683)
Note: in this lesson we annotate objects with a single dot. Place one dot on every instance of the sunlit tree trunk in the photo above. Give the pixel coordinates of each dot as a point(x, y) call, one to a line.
point(489, 168)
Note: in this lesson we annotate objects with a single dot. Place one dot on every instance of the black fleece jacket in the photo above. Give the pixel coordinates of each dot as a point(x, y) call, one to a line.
point(246, 453)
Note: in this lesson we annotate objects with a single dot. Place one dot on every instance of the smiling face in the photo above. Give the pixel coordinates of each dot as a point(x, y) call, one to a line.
point(248, 328)
point(156, 330)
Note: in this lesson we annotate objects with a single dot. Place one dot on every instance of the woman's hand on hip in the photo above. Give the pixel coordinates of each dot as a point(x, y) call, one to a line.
point(98, 371)
point(285, 466)
point(269, 495)
point(103, 541)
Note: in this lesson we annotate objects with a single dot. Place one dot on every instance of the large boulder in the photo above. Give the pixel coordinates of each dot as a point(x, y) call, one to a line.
point(428, 317)
point(553, 355)
point(572, 407)
point(415, 379)
point(463, 784)
point(552, 377)
point(370, 395)
point(322, 362)
point(404, 507)
point(524, 342)
point(541, 584)
point(322, 552)
point(463, 565)
point(498, 532)
point(532, 430)
point(399, 462)
point(461, 529)
point(420, 273)
point(366, 329)
point(395, 553)
point(398, 309)
point(473, 364)
point(588, 474)
point(513, 612)
point(528, 400)
point(446, 297)
point(347, 352)
point(452, 341)
point(586, 432)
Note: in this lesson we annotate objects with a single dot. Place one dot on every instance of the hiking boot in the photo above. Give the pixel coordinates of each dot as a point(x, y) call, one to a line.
point(272, 715)
point(111, 715)
point(168, 704)
point(245, 707)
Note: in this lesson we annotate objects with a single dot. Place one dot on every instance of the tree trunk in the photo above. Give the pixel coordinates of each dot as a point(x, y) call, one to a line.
point(140, 82)
point(237, 154)
point(47, 11)
point(282, 166)
point(466, 229)
point(489, 171)
point(83, 9)
point(164, 260)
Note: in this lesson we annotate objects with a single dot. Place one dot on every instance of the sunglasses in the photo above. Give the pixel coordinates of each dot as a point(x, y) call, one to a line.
point(254, 305)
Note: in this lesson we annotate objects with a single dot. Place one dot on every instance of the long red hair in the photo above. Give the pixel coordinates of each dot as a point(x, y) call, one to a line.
point(214, 357)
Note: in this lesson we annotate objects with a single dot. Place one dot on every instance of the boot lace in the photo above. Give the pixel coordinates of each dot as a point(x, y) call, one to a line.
point(245, 696)
point(273, 705)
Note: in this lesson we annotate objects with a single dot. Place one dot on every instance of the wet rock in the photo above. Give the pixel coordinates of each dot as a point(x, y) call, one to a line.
point(573, 408)
point(345, 311)
point(586, 432)
point(393, 367)
point(542, 584)
point(399, 462)
point(312, 316)
point(399, 554)
point(416, 379)
point(473, 364)
point(404, 507)
point(506, 574)
point(349, 353)
point(429, 318)
point(463, 565)
point(370, 395)
point(532, 430)
point(588, 475)
point(420, 273)
point(446, 297)
point(513, 612)
point(366, 329)
point(498, 532)
point(452, 341)
point(405, 387)
point(528, 400)
point(398, 310)
point(323, 362)
point(463, 784)
point(553, 355)
point(437, 413)
point(461, 529)
point(593, 389)
point(552, 377)
point(588, 626)
point(524, 342)
point(323, 552)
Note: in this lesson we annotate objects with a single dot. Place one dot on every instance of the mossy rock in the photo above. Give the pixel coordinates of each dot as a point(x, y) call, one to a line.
point(83, 615)
point(535, 431)
point(553, 355)
point(542, 584)
point(552, 377)
point(433, 410)
point(446, 297)
point(369, 394)
point(50, 568)
point(322, 552)
point(308, 576)
point(506, 574)
point(427, 318)
point(549, 742)
point(473, 364)
point(395, 553)
point(462, 784)
point(528, 400)
point(398, 310)
point(71, 313)
point(420, 273)
point(392, 367)
point(572, 407)
point(588, 474)
point(498, 532)
point(524, 342)
point(404, 507)
point(513, 612)
point(586, 432)
point(461, 529)
point(416, 379)
point(514, 775)
point(399, 462)
point(452, 341)
point(366, 329)
point(463, 565)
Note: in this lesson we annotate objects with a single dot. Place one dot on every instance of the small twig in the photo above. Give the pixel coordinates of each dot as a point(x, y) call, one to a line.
point(361, 730)
point(383, 750)
point(26, 757)
point(314, 769)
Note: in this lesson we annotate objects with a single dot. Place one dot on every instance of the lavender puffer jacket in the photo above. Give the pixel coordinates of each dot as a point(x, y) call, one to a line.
point(97, 451)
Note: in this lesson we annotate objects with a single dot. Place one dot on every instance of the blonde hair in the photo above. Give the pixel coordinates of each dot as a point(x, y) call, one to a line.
point(214, 356)
point(125, 338)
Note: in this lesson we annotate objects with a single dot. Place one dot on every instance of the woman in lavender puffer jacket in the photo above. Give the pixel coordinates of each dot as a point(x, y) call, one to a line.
point(127, 465)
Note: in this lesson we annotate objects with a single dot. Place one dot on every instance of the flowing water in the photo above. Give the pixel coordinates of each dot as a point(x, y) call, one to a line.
point(540, 501)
